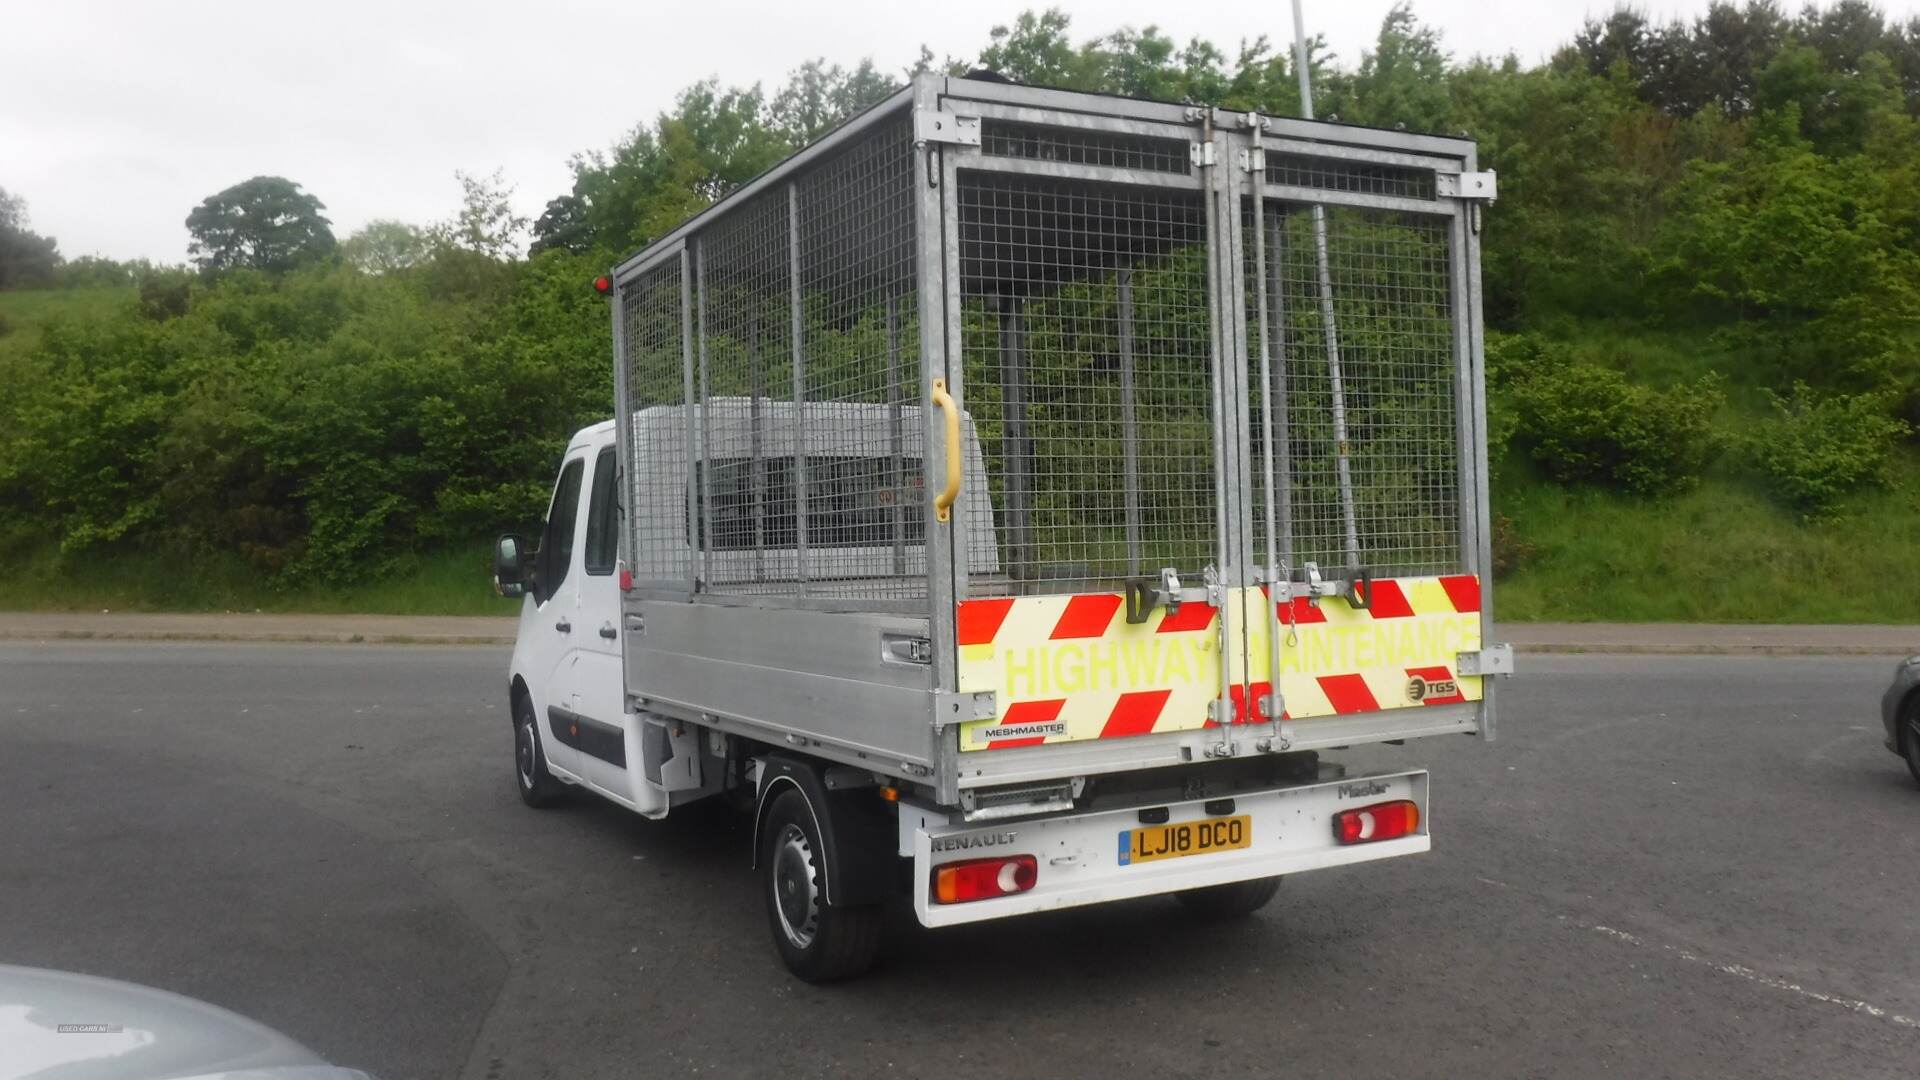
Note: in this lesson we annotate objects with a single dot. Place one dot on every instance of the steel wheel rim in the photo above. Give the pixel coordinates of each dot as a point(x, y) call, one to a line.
point(523, 753)
point(795, 895)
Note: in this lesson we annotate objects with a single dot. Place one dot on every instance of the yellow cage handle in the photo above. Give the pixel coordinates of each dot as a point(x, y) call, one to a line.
point(943, 502)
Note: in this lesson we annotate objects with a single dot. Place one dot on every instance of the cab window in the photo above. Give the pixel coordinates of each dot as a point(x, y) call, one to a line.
point(556, 549)
point(603, 517)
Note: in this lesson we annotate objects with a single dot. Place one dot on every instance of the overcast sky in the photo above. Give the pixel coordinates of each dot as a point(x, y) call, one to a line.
point(117, 118)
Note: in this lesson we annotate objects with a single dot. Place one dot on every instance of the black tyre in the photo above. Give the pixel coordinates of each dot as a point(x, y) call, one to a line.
point(538, 788)
point(1230, 901)
point(820, 942)
point(1910, 734)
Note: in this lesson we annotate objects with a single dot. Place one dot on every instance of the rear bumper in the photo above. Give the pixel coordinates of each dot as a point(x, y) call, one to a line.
point(1079, 856)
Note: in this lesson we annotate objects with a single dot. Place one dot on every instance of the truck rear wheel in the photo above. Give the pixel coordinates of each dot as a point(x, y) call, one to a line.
point(537, 786)
point(820, 942)
point(1234, 900)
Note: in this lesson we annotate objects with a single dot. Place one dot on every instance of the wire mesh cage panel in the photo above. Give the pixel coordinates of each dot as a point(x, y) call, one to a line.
point(1333, 174)
point(652, 307)
point(1086, 359)
point(745, 521)
point(1041, 142)
point(803, 473)
point(1360, 313)
point(864, 514)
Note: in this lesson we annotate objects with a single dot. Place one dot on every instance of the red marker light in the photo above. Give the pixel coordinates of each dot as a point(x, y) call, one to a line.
point(603, 284)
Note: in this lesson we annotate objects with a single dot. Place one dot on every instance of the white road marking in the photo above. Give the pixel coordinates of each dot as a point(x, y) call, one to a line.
point(1774, 982)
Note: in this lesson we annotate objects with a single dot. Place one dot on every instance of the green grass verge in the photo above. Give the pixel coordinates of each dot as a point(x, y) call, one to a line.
point(1723, 552)
point(1720, 553)
point(25, 311)
point(453, 582)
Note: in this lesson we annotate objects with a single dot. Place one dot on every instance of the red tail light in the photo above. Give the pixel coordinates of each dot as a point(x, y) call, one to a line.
point(626, 579)
point(983, 879)
point(603, 284)
point(1381, 821)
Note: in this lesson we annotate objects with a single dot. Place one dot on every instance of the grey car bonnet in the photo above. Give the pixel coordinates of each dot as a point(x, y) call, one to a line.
point(60, 1026)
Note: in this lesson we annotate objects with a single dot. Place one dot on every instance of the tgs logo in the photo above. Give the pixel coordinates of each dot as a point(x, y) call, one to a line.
point(1420, 688)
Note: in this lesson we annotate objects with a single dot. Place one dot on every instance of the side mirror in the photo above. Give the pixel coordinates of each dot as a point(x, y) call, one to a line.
point(511, 563)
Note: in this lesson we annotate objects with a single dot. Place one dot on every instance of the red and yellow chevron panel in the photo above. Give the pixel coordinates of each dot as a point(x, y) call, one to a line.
point(1070, 668)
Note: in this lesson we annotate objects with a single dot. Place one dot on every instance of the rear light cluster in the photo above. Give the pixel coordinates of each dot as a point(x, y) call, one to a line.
point(1381, 821)
point(984, 879)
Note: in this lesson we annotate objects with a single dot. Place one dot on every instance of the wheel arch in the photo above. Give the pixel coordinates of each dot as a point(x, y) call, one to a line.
point(857, 854)
point(517, 691)
point(1908, 705)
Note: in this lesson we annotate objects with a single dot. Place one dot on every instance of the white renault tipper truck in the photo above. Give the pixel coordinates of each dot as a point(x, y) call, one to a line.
point(1011, 496)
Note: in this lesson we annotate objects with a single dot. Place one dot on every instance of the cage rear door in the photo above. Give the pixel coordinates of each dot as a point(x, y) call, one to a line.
point(1363, 356)
point(1086, 272)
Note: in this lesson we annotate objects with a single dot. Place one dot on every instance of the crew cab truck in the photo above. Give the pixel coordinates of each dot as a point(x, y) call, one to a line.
point(1012, 495)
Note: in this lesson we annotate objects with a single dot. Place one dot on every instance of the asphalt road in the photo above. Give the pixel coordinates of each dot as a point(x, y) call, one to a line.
point(1664, 867)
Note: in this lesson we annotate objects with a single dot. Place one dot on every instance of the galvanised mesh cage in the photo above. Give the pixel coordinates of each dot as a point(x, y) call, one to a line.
point(1089, 278)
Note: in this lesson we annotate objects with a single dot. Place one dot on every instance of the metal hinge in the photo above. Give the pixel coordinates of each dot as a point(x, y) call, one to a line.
point(1254, 160)
point(1467, 185)
point(963, 707)
point(934, 126)
point(1490, 660)
point(1200, 154)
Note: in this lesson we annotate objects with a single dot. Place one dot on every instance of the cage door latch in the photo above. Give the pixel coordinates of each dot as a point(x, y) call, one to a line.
point(936, 126)
point(1144, 594)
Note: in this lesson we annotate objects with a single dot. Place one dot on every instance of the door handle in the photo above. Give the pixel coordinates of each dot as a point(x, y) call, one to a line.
point(943, 502)
point(609, 632)
point(563, 626)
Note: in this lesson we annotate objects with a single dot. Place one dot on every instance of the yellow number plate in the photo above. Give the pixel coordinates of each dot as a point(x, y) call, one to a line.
point(1183, 838)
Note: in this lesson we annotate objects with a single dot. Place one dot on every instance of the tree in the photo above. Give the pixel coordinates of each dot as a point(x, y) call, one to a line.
point(382, 246)
point(1404, 79)
point(266, 223)
point(26, 258)
point(1035, 49)
point(563, 226)
point(819, 95)
point(486, 223)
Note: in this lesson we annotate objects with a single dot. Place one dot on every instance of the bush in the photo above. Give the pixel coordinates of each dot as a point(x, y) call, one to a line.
point(1817, 449)
point(1586, 423)
point(325, 426)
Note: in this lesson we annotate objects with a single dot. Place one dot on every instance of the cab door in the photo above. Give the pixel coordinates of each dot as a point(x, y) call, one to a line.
point(557, 617)
point(599, 703)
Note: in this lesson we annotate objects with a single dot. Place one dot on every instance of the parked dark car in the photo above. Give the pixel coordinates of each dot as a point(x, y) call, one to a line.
point(1900, 710)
